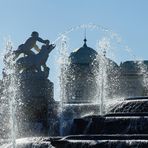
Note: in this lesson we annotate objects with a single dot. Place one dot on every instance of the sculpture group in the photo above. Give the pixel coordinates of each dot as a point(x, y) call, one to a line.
point(33, 88)
point(31, 61)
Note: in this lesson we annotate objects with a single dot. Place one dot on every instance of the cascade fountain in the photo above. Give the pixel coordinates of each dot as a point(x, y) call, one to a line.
point(66, 76)
point(27, 94)
point(120, 125)
point(92, 122)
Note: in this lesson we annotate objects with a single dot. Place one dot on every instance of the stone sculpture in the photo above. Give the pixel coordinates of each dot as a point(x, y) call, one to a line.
point(34, 88)
point(35, 61)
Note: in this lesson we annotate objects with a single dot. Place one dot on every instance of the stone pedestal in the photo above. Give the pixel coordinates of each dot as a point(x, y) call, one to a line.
point(35, 93)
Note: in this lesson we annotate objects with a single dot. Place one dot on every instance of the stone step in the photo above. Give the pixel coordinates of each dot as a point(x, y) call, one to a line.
point(79, 141)
point(103, 141)
point(110, 124)
point(100, 144)
point(136, 114)
point(137, 98)
point(105, 137)
point(131, 105)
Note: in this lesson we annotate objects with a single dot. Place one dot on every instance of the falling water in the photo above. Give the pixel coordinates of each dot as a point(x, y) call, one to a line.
point(12, 90)
point(143, 68)
point(90, 26)
point(109, 72)
point(63, 79)
point(101, 72)
point(9, 81)
point(102, 83)
point(102, 76)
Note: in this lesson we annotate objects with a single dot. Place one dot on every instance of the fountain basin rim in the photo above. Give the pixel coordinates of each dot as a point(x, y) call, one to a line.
point(79, 104)
point(126, 114)
point(137, 98)
point(25, 140)
point(114, 115)
point(104, 137)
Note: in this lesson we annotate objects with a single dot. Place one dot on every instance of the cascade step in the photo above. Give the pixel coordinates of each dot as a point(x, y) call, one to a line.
point(103, 141)
point(106, 137)
point(122, 114)
point(111, 124)
point(100, 144)
point(131, 105)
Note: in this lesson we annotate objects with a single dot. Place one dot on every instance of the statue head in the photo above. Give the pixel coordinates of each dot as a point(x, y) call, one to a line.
point(35, 34)
point(47, 42)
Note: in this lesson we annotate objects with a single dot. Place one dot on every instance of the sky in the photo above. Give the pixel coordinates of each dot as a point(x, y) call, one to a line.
point(127, 18)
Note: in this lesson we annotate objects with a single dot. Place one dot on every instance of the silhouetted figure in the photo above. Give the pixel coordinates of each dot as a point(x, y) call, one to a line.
point(48, 47)
point(29, 44)
point(35, 61)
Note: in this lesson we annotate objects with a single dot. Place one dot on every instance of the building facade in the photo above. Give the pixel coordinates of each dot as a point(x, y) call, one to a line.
point(88, 76)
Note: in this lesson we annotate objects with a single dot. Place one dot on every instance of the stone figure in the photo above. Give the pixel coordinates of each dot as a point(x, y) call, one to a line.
point(29, 44)
point(35, 61)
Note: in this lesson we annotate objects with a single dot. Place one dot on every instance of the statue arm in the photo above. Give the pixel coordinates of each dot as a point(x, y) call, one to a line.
point(41, 40)
point(37, 48)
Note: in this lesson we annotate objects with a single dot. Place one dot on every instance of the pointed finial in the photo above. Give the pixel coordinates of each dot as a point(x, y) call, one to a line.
point(85, 40)
point(85, 33)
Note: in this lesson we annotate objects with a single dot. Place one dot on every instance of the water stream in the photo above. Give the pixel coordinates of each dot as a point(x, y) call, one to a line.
point(9, 93)
point(106, 44)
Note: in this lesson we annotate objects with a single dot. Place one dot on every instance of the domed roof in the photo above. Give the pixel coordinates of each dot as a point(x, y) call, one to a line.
point(134, 66)
point(84, 55)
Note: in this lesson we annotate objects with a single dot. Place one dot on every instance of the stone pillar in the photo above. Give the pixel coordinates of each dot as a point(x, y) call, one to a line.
point(35, 98)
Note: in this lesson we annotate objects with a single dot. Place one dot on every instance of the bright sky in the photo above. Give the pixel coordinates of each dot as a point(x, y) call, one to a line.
point(128, 18)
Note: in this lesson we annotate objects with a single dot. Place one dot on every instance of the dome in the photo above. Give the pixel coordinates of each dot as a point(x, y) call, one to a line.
point(84, 55)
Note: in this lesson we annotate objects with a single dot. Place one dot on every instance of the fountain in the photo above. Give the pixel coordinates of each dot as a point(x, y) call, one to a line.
point(72, 100)
point(90, 113)
point(28, 96)
point(122, 122)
